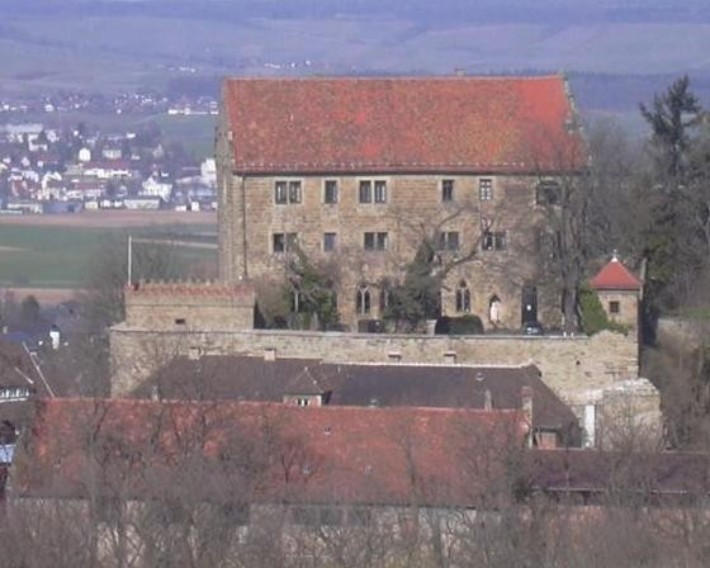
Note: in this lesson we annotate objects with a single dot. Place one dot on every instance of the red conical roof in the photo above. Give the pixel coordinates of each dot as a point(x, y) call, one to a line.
point(615, 276)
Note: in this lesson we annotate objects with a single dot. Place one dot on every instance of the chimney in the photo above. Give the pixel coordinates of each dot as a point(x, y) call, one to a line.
point(526, 395)
point(270, 354)
point(487, 400)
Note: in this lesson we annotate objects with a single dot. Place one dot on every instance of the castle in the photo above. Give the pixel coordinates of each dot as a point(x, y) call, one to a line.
point(363, 170)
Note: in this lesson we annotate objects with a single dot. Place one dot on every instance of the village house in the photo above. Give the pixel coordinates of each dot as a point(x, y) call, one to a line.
point(364, 170)
point(313, 382)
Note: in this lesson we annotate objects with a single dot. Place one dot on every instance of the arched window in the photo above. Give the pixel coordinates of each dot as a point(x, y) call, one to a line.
point(385, 297)
point(463, 298)
point(296, 300)
point(495, 307)
point(363, 300)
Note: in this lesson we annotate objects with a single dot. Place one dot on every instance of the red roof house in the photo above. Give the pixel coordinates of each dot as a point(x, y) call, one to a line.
point(615, 276)
point(402, 124)
point(276, 453)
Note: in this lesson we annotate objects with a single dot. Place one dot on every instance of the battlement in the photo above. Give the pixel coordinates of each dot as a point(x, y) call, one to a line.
point(190, 304)
point(166, 289)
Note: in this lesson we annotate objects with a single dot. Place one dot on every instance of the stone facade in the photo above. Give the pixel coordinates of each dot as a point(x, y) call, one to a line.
point(413, 211)
point(479, 204)
point(189, 305)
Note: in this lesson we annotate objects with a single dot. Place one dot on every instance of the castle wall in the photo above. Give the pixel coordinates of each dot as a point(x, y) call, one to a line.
point(187, 305)
point(414, 210)
point(570, 365)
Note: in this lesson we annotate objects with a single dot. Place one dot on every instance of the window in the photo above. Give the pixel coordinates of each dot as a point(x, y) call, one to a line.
point(548, 193)
point(494, 240)
point(375, 241)
point(447, 190)
point(302, 401)
point(330, 191)
point(296, 303)
point(330, 241)
point(614, 307)
point(283, 242)
point(385, 298)
point(365, 192)
point(449, 240)
point(294, 191)
point(463, 298)
point(380, 191)
point(485, 189)
point(280, 192)
point(363, 300)
point(180, 321)
point(287, 192)
point(367, 195)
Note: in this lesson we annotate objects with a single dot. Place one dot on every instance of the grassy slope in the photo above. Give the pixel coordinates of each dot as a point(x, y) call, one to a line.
point(59, 257)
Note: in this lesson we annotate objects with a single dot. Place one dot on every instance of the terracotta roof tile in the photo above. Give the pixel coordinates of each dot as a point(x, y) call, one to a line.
point(433, 124)
point(315, 455)
point(615, 276)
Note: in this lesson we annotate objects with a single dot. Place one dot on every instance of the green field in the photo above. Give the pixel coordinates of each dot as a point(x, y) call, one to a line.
point(61, 257)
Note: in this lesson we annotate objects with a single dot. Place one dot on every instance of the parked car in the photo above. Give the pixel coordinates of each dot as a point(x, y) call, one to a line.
point(533, 328)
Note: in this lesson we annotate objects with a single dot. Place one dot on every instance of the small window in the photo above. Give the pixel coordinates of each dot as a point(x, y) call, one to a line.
point(447, 190)
point(330, 191)
point(302, 401)
point(365, 191)
point(463, 298)
point(280, 192)
point(548, 193)
point(180, 321)
point(287, 192)
point(329, 241)
point(614, 307)
point(283, 242)
point(385, 298)
point(294, 192)
point(380, 191)
point(449, 240)
point(363, 300)
point(375, 241)
point(485, 189)
point(494, 240)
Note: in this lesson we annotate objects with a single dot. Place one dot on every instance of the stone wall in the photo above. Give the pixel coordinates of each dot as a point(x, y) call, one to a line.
point(570, 365)
point(415, 209)
point(189, 305)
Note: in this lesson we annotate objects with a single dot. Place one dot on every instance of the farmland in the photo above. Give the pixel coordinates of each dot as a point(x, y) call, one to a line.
point(56, 252)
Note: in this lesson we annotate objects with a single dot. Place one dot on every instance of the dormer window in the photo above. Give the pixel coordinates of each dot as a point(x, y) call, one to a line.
point(14, 394)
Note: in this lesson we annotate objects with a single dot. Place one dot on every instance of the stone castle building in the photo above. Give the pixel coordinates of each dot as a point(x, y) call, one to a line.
point(364, 170)
point(360, 171)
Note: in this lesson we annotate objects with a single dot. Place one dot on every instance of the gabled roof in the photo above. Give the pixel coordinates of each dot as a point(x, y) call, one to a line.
point(267, 452)
point(615, 276)
point(220, 377)
point(404, 124)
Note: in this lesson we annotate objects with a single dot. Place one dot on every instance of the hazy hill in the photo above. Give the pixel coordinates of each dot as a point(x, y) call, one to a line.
point(616, 51)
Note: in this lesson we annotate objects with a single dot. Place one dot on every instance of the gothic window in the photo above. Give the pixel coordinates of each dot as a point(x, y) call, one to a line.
point(363, 300)
point(463, 298)
point(495, 307)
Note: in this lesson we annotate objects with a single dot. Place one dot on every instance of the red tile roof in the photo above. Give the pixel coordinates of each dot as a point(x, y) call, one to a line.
point(426, 124)
point(314, 454)
point(615, 276)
